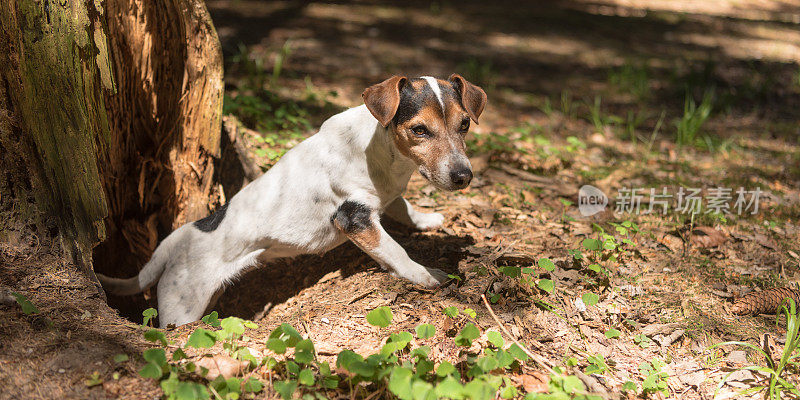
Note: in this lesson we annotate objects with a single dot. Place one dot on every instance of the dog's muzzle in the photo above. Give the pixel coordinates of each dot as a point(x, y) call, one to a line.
point(461, 177)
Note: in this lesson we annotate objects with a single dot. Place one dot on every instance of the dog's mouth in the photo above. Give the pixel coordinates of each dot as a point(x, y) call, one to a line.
point(442, 184)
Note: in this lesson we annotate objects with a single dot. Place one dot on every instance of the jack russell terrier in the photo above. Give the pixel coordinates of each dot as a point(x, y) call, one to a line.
point(331, 187)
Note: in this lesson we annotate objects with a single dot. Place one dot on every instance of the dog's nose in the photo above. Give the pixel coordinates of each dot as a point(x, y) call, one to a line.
point(461, 177)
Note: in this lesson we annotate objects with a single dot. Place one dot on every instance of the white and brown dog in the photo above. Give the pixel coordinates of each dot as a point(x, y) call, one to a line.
point(331, 187)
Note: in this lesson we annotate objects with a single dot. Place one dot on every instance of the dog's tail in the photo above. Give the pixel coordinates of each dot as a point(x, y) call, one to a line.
point(147, 277)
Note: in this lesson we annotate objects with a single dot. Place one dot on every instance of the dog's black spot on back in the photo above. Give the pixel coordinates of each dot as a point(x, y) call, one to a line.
point(352, 216)
point(212, 221)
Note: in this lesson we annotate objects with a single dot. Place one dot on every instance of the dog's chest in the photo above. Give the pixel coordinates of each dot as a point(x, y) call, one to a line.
point(392, 180)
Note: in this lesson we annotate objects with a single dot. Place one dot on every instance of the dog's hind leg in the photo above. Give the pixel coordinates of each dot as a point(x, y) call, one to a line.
point(184, 295)
point(182, 300)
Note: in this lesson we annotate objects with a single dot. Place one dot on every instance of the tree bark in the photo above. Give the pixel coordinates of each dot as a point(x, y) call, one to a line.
point(110, 118)
point(54, 73)
point(165, 123)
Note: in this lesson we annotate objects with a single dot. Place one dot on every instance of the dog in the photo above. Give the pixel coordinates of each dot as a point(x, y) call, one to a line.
point(329, 188)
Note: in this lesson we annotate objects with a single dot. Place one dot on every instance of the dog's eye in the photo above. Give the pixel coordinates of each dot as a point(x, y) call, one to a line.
point(420, 131)
point(464, 125)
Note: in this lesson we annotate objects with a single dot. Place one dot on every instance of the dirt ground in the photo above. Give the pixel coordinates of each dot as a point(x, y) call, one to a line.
point(543, 66)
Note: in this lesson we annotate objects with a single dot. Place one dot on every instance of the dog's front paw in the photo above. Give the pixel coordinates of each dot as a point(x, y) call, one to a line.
point(419, 275)
point(428, 221)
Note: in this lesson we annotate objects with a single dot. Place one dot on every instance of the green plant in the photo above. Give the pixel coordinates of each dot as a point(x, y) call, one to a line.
point(265, 111)
point(655, 378)
point(631, 78)
point(656, 129)
point(694, 116)
point(597, 364)
point(642, 340)
point(574, 144)
point(612, 333)
point(528, 277)
point(403, 370)
point(596, 116)
point(491, 143)
point(28, 308)
point(250, 66)
point(563, 386)
point(632, 123)
point(787, 365)
point(547, 107)
point(566, 205)
point(280, 60)
point(148, 316)
point(568, 108)
point(177, 374)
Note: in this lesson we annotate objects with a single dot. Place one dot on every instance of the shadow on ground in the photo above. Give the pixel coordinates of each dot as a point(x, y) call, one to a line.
point(257, 291)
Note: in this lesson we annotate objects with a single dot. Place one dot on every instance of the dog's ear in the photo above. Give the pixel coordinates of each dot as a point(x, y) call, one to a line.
point(383, 99)
point(473, 98)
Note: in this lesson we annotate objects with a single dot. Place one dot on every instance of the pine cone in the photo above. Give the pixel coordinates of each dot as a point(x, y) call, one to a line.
point(765, 301)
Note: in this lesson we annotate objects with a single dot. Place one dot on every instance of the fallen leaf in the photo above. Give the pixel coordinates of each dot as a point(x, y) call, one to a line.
point(693, 378)
point(765, 241)
point(536, 382)
point(660, 329)
point(706, 236)
point(738, 357)
point(223, 365)
point(738, 378)
point(674, 244)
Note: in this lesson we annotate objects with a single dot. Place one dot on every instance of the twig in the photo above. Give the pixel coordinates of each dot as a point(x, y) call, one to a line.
point(215, 392)
point(376, 393)
point(538, 359)
point(767, 350)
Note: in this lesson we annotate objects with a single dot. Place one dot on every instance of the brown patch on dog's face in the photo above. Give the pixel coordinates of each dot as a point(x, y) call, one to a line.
point(430, 128)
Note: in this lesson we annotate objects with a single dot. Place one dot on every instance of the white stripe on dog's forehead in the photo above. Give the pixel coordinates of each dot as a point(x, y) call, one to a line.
point(436, 89)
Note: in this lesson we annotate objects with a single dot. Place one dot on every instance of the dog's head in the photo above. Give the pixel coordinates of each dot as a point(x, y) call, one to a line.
point(429, 118)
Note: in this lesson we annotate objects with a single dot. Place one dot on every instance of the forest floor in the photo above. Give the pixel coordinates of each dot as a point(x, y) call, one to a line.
point(619, 95)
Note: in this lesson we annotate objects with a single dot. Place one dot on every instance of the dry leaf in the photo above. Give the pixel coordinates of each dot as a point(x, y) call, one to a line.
point(693, 378)
point(741, 379)
point(738, 357)
point(674, 244)
point(536, 382)
point(765, 241)
point(660, 329)
point(223, 365)
point(706, 236)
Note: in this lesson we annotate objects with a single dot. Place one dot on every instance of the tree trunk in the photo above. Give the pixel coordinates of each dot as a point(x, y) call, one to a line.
point(54, 72)
point(166, 124)
point(110, 120)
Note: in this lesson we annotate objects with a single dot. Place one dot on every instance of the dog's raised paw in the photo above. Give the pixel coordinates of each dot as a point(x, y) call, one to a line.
point(429, 221)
